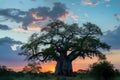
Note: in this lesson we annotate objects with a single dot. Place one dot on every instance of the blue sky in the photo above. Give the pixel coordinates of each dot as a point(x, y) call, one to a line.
point(20, 18)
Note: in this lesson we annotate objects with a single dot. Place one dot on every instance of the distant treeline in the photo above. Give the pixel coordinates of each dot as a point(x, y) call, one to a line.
point(102, 71)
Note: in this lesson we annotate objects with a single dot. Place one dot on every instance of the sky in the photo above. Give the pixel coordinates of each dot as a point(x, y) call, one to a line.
point(20, 18)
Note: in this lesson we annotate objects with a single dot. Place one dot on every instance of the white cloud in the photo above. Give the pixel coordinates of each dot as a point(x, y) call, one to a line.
point(94, 3)
point(113, 38)
point(90, 3)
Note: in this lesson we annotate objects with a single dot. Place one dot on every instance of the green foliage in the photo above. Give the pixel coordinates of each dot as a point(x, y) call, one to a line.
point(49, 53)
point(91, 29)
point(58, 38)
point(103, 70)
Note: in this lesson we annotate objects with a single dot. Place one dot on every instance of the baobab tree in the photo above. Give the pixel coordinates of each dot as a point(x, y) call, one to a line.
point(63, 43)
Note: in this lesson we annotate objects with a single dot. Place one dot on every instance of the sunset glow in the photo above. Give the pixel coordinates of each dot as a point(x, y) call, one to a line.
point(49, 66)
point(79, 63)
point(37, 17)
point(21, 18)
point(64, 16)
point(30, 28)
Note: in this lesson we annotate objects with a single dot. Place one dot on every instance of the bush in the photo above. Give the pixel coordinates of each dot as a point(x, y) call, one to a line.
point(103, 70)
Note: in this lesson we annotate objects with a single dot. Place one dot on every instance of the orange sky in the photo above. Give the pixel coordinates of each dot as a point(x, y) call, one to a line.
point(112, 56)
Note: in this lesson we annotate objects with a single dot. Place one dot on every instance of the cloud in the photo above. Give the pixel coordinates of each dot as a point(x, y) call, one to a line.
point(29, 28)
point(9, 41)
point(57, 11)
point(113, 38)
point(90, 3)
point(12, 14)
point(107, 0)
point(63, 17)
point(34, 26)
point(35, 14)
point(117, 16)
point(37, 17)
point(95, 2)
point(74, 17)
point(4, 27)
point(8, 55)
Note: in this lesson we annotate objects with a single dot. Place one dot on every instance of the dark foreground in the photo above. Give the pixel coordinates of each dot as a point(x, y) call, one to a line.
point(47, 76)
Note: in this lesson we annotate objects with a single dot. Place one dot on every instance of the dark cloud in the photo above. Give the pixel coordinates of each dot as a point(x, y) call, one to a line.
point(113, 38)
point(58, 10)
point(4, 27)
point(7, 53)
point(27, 20)
point(13, 14)
point(34, 14)
point(10, 57)
point(17, 16)
point(43, 13)
point(9, 41)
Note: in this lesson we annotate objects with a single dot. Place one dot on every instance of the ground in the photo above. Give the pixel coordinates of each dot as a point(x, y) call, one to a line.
point(47, 76)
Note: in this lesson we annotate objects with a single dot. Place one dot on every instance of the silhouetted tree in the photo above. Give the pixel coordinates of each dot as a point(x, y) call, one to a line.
point(103, 70)
point(117, 72)
point(63, 43)
point(32, 68)
point(4, 71)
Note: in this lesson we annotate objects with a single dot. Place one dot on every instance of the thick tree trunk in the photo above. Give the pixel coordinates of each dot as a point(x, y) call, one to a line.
point(64, 67)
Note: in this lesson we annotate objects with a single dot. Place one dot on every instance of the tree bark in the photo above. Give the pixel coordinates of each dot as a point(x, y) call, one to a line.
point(64, 67)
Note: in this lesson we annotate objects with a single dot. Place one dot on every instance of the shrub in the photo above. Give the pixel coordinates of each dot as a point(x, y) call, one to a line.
point(103, 70)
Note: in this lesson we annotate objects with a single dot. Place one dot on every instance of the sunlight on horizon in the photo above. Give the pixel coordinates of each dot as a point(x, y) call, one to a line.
point(79, 63)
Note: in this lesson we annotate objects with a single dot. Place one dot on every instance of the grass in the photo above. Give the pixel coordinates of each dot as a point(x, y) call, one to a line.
point(47, 76)
point(44, 78)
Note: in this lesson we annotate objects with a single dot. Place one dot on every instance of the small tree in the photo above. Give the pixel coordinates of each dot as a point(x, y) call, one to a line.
point(63, 43)
point(103, 70)
point(117, 72)
point(5, 71)
point(32, 68)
